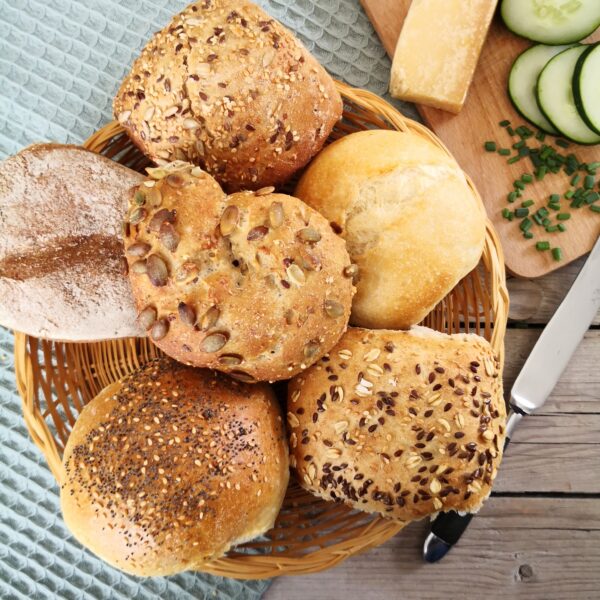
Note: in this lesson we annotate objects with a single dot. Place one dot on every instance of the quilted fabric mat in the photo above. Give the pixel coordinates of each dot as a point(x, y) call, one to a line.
point(60, 64)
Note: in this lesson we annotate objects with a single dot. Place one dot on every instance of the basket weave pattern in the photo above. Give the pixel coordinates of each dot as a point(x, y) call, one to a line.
point(55, 380)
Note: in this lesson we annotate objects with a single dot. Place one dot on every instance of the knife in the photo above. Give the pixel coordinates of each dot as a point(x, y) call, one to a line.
point(535, 382)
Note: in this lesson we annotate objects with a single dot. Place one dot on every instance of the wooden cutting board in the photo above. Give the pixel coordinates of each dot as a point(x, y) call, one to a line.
point(465, 133)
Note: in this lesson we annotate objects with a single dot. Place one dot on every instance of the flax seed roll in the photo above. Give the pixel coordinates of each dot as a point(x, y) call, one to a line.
point(401, 423)
point(254, 284)
point(170, 467)
point(227, 87)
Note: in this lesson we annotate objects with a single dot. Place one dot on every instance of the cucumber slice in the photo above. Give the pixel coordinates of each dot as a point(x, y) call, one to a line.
point(586, 87)
point(555, 96)
point(522, 82)
point(552, 22)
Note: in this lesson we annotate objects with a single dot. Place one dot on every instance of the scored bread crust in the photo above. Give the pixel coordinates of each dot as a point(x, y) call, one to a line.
point(224, 85)
point(168, 468)
point(61, 250)
point(253, 283)
point(402, 423)
point(412, 224)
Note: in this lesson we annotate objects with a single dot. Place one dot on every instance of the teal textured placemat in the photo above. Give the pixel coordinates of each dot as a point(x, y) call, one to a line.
point(60, 63)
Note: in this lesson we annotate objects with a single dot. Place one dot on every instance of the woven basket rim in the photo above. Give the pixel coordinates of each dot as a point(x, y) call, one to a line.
point(255, 566)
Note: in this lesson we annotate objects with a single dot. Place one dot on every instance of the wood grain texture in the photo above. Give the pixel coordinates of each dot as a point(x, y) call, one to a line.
point(464, 134)
point(535, 301)
point(522, 548)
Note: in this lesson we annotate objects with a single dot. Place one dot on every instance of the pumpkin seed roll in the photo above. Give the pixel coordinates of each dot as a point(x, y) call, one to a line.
point(226, 86)
point(401, 423)
point(255, 284)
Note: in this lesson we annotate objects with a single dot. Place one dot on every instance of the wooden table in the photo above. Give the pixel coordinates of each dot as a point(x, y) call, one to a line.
point(538, 536)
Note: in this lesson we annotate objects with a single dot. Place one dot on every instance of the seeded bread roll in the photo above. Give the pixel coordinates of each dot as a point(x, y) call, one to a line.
point(170, 467)
point(412, 225)
point(401, 423)
point(253, 284)
point(227, 87)
point(62, 271)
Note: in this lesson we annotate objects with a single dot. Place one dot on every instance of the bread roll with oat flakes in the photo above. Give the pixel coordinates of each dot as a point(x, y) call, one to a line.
point(254, 284)
point(401, 423)
point(168, 468)
point(227, 87)
point(62, 271)
point(412, 224)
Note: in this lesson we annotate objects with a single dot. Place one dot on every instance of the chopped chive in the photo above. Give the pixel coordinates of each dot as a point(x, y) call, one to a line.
point(543, 211)
point(575, 180)
point(525, 224)
point(563, 216)
point(543, 245)
point(546, 221)
point(537, 219)
point(527, 203)
point(512, 196)
point(554, 198)
point(504, 151)
point(541, 172)
point(527, 235)
point(562, 227)
point(521, 212)
point(506, 213)
point(554, 207)
point(518, 144)
point(588, 182)
point(490, 146)
point(526, 178)
point(510, 130)
point(592, 197)
point(504, 123)
point(524, 151)
point(595, 208)
point(577, 202)
point(562, 143)
point(513, 160)
point(593, 166)
point(569, 194)
point(519, 184)
point(541, 136)
point(557, 254)
point(552, 228)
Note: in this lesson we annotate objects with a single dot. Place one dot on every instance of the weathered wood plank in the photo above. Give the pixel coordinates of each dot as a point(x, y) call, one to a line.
point(563, 468)
point(535, 300)
point(578, 390)
point(534, 548)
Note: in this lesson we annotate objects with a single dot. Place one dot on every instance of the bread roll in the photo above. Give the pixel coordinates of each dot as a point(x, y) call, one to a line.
point(61, 251)
point(227, 87)
point(252, 284)
point(401, 423)
point(412, 225)
point(170, 467)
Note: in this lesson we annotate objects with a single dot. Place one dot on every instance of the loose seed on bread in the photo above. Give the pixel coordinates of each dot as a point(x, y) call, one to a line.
point(157, 270)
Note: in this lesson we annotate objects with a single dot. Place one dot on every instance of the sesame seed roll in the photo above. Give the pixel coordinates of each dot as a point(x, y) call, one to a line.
point(168, 468)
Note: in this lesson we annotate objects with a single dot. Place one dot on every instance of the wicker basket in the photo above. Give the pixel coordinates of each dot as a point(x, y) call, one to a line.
point(56, 380)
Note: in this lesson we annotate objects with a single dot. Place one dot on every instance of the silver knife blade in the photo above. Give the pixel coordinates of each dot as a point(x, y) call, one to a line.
point(560, 338)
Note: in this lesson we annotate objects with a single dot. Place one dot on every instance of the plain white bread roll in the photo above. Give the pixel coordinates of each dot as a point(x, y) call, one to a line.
point(410, 221)
point(170, 467)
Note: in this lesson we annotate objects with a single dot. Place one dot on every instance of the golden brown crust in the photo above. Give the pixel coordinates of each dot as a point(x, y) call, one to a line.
point(412, 225)
point(227, 87)
point(403, 423)
point(62, 271)
point(168, 468)
point(251, 284)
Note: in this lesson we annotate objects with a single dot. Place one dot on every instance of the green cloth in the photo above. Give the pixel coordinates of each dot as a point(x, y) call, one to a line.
point(61, 62)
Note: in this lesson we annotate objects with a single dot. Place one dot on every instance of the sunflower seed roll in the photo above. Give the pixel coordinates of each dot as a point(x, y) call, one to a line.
point(227, 87)
point(401, 423)
point(254, 284)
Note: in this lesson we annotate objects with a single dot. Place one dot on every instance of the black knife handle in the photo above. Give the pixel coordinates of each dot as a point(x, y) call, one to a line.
point(449, 526)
